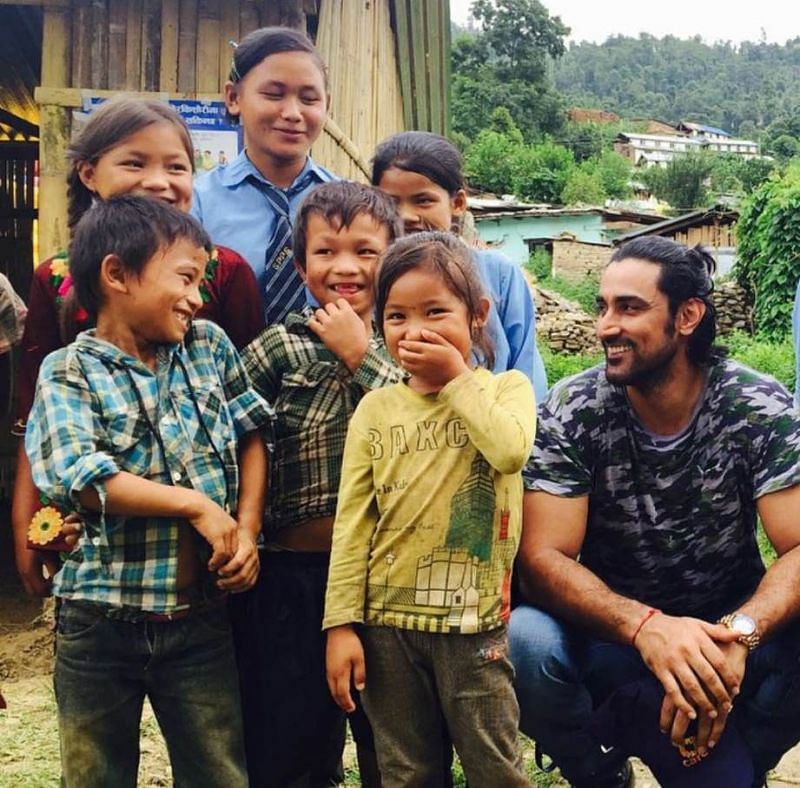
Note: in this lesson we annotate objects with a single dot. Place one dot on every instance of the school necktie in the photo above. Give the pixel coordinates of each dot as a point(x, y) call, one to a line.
point(283, 289)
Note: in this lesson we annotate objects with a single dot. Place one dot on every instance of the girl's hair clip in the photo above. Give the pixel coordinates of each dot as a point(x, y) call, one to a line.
point(234, 75)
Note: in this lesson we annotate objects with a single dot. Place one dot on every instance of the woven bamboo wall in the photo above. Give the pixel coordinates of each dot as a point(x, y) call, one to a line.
point(356, 41)
point(174, 46)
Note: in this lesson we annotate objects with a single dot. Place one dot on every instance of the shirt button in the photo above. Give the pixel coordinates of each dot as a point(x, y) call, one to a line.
point(176, 476)
point(96, 541)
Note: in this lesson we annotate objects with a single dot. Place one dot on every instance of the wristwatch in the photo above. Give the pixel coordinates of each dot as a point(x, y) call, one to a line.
point(745, 627)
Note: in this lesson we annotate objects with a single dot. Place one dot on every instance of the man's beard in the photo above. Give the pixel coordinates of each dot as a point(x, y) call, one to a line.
point(649, 373)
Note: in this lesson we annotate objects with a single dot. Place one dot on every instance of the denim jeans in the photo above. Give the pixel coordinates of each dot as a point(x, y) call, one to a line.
point(562, 674)
point(421, 683)
point(104, 669)
point(292, 726)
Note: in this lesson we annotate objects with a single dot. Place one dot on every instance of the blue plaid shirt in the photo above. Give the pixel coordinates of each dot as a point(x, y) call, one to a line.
point(96, 413)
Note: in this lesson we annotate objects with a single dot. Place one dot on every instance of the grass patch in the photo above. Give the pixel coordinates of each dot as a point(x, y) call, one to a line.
point(583, 293)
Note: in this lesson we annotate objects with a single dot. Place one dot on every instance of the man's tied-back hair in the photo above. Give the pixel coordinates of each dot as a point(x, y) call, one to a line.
point(685, 273)
point(133, 229)
point(339, 202)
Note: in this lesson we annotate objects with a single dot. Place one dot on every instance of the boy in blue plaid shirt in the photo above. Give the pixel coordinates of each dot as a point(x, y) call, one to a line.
point(313, 369)
point(148, 426)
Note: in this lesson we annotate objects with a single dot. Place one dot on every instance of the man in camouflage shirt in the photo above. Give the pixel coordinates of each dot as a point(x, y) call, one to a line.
point(640, 531)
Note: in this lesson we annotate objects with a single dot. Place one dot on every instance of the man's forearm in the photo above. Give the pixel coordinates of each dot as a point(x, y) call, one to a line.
point(776, 601)
point(571, 591)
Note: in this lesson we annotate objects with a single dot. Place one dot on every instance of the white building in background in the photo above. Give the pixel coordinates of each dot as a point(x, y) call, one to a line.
point(657, 150)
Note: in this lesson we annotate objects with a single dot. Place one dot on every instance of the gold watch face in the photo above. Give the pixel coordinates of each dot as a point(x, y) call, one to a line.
point(743, 624)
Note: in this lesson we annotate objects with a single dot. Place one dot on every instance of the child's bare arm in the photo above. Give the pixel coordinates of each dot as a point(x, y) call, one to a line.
point(343, 332)
point(132, 496)
point(344, 664)
point(241, 572)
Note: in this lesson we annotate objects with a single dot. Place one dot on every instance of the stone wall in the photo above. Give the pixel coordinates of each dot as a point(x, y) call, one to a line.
point(734, 312)
point(562, 325)
point(565, 328)
point(574, 260)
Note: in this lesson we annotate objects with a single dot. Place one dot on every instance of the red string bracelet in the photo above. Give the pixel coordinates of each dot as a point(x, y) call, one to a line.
point(647, 616)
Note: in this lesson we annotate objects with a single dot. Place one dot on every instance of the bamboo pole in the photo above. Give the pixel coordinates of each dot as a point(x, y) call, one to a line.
point(54, 129)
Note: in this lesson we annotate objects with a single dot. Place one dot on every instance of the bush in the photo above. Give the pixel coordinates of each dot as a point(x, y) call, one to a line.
point(771, 357)
point(563, 365)
point(768, 232)
point(539, 264)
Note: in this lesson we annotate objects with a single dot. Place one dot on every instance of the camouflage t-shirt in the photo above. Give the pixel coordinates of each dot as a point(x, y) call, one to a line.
point(672, 527)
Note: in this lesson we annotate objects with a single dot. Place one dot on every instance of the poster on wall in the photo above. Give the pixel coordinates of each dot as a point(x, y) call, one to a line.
point(215, 141)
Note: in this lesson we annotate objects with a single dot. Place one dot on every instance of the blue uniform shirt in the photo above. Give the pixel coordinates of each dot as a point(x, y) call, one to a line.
point(234, 211)
point(512, 319)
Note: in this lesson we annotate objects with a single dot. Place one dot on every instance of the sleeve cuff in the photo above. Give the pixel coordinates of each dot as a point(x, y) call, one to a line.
point(375, 370)
point(88, 471)
point(250, 412)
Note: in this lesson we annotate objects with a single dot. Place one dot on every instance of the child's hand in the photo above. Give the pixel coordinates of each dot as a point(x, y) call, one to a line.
point(344, 663)
point(343, 332)
point(219, 529)
point(432, 359)
point(72, 529)
point(241, 572)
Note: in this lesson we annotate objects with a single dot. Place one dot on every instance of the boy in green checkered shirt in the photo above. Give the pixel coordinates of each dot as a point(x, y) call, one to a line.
point(148, 426)
point(313, 369)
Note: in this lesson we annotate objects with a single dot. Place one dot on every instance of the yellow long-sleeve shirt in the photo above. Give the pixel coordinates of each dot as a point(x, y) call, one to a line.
point(428, 518)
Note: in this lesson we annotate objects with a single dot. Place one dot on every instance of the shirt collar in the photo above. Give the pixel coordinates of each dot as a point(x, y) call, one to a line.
point(89, 342)
point(241, 168)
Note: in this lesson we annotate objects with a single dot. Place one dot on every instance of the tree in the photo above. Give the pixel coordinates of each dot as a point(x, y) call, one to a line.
point(614, 173)
point(683, 182)
point(490, 162)
point(541, 171)
point(520, 35)
point(583, 188)
point(768, 251)
point(505, 64)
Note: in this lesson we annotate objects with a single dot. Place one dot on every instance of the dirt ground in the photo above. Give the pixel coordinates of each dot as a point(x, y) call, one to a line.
point(28, 729)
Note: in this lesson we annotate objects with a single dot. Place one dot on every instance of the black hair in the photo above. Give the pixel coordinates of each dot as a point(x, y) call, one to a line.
point(262, 43)
point(447, 256)
point(422, 152)
point(133, 229)
point(685, 273)
point(342, 201)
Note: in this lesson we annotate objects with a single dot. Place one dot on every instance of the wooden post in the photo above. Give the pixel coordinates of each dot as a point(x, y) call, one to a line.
point(54, 125)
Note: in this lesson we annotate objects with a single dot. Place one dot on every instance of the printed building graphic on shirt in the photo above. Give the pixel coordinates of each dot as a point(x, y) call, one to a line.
point(472, 564)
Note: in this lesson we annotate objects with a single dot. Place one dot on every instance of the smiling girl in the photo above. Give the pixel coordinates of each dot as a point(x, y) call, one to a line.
point(423, 173)
point(278, 92)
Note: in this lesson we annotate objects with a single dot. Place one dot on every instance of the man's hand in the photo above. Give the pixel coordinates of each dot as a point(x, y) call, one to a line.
point(344, 663)
point(709, 728)
point(686, 655)
point(431, 359)
point(219, 529)
point(342, 331)
point(241, 572)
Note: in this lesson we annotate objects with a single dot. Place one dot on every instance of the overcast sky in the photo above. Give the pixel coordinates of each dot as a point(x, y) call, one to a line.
point(740, 20)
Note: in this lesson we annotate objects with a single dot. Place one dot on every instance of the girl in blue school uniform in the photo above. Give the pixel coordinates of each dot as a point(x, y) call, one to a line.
point(278, 92)
point(423, 173)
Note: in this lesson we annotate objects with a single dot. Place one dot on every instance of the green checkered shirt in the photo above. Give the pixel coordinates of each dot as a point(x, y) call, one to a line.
point(314, 395)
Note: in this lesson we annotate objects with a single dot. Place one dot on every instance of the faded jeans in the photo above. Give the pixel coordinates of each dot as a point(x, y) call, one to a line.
point(562, 674)
point(104, 669)
point(419, 683)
